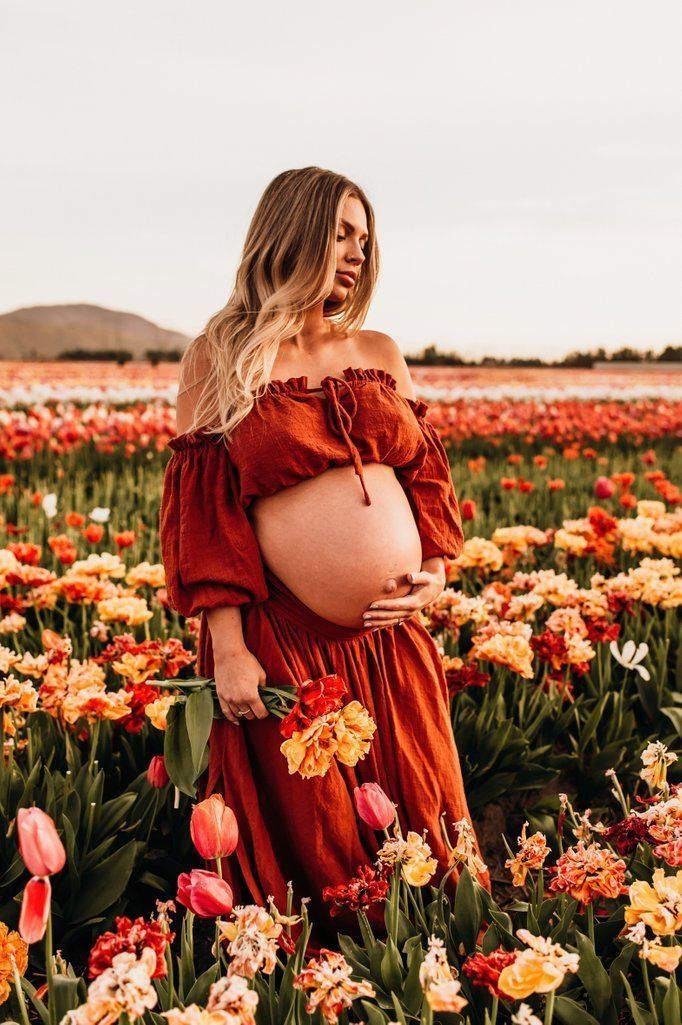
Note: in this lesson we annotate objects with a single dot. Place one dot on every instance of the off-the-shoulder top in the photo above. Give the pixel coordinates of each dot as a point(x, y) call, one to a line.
point(209, 550)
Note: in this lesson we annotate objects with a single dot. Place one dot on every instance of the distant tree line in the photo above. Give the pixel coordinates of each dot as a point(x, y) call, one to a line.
point(122, 356)
point(431, 357)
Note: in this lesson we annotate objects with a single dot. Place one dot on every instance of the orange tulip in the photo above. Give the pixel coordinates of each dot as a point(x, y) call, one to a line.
point(39, 844)
point(125, 538)
point(93, 532)
point(204, 893)
point(373, 806)
point(213, 828)
point(35, 909)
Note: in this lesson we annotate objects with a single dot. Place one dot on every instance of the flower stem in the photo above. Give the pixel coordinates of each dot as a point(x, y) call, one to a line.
point(49, 969)
point(20, 994)
point(590, 922)
point(647, 989)
point(549, 1008)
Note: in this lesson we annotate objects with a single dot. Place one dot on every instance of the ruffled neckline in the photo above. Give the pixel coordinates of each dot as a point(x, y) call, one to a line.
point(351, 374)
point(192, 439)
point(294, 385)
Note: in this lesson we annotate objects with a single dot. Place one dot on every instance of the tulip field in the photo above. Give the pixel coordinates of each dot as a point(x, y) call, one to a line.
point(559, 630)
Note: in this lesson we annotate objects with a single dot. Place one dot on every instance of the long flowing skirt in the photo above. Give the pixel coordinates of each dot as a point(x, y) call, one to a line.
point(307, 831)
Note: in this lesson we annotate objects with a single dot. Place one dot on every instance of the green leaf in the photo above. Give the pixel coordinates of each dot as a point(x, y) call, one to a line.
point(198, 994)
point(566, 1010)
point(593, 975)
point(675, 716)
point(65, 995)
point(619, 965)
point(101, 887)
point(198, 722)
point(635, 1009)
point(412, 990)
point(375, 1016)
point(177, 751)
point(671, 1003)
point(467, 911)
point(391, 966)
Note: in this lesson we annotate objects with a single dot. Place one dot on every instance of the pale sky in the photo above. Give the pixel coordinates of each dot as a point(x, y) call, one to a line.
point(524, 158)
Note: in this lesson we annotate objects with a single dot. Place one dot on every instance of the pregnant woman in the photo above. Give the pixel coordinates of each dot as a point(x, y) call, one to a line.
point(307, 509)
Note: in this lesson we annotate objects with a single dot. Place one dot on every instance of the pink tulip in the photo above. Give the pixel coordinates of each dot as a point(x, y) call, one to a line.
point(213, 828)
point(204, 893)
point(604, 487)
point(157, 776)
point(35, 909)
point(373, 806)
point(39, 843)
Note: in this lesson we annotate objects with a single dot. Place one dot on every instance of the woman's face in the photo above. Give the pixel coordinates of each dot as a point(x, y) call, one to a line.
point(351, 242)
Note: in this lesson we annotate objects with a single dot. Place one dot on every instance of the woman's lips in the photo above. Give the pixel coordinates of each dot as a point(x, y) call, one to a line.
point(346, 278)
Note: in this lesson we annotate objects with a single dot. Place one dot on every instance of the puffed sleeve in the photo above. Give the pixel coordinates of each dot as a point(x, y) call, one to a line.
point(428, 485)
point(208, 547)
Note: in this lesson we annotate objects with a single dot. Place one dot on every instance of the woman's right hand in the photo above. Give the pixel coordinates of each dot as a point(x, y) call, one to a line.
point(238, 676)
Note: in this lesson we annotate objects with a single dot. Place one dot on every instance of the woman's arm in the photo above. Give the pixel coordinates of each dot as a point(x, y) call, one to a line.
point(238, 673)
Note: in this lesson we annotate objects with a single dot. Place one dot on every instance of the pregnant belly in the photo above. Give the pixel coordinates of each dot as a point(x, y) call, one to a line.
point(334, 552)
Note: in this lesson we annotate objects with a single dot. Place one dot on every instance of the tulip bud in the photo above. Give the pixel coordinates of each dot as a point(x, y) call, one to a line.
point(213, 828)
point(39, 844)
point(604, 488)
point(468, 509)
point(373, 806)
point(35, 909)
point(156, 773)
point(204, 893)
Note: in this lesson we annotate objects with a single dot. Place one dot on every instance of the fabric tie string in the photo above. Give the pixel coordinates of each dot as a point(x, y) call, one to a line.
point(341, 420)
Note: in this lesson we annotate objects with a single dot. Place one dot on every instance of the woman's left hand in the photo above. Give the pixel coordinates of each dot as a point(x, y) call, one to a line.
point(426, 586)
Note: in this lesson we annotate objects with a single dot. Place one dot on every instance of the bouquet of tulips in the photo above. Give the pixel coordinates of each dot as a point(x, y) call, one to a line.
point(316, 724)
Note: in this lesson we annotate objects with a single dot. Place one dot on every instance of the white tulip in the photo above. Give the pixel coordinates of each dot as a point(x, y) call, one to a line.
point(631, 656)
point(100, 514)
point(49, 505)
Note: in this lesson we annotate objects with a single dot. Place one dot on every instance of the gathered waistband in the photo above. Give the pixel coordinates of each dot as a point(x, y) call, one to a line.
point(286, 602)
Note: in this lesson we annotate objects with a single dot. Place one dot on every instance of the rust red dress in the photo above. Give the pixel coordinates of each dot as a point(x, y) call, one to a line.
point(307, 830)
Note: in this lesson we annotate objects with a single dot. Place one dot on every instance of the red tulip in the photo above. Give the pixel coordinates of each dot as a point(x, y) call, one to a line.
point(204, 893)
point(35, 909)
point(604, 488)
point(39, 843)
point(156, 773)
point(213, 828)
point(468, 509)
point(373, 806)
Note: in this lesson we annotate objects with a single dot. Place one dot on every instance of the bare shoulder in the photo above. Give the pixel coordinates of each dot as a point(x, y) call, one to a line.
point(195, 367)
point(383, 352)
point(195, 364)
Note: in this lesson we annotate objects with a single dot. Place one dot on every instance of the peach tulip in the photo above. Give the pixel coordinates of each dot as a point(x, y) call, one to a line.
point(39, 844)
point(213, 828)
point(204, 893)
point(373, 806)
point(35, 909)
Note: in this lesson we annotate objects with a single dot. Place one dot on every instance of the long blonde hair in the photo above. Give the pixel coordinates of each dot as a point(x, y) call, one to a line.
point(288, 265)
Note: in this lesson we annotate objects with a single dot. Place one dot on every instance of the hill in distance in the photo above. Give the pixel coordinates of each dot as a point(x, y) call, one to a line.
point(42, 332)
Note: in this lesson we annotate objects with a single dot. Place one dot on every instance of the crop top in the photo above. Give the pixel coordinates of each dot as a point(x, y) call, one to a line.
point(208, 546)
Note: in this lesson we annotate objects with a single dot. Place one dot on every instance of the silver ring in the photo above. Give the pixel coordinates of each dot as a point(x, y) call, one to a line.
point(241, 711)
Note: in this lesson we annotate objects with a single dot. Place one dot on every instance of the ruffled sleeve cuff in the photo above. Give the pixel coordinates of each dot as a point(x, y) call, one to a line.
point(429, 487)
point(208, 547)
